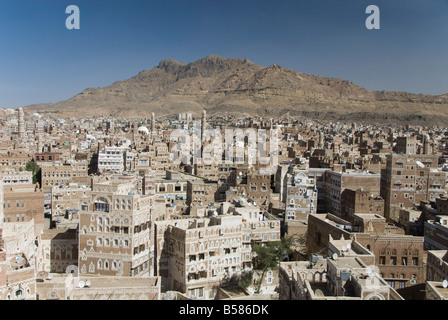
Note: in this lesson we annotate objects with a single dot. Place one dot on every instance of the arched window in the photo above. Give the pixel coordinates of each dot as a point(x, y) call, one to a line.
point(101, 204)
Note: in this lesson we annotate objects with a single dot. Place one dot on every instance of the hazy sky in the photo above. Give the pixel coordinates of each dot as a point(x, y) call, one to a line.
point(42, 61)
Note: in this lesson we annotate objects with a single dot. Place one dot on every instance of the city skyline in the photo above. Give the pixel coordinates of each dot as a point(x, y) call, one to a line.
point(97, 208)
point(41, 61)
point(218, 151)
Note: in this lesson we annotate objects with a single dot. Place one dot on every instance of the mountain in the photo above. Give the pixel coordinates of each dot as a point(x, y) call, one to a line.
point(238, 86)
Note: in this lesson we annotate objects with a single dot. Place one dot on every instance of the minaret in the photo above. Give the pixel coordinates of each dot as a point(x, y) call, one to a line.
point(203, 125)
point(426, 144)
point(21, 124)
point(39, 143)
point(321, 141)
point(153, 122)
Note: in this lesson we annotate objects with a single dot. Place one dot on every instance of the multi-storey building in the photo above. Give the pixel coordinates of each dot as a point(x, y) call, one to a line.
point(24, 203)
point(408, 179)
point(436, 233)
point(195, 255)
point(47, 156)
point(71, 287)
point(15, 159)
point(17, 177)
point(200, 194)
point(335, 182)
point(300, 195)
point(399, 257)
point(258, 188)
point(60, 173)
point(360, 201)
point(115, 231)
point(57, 251)
point(160, 156)
point(348, 276)
point(66, 201)
point(406, 145)
point(111, 159)
point(17, 261)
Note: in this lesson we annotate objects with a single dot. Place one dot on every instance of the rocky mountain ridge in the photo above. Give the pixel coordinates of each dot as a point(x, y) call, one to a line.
point(238, 86)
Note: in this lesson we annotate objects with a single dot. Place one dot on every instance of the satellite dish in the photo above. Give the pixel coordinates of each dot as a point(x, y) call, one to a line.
point(421, 165)
point(319, 293)
point(349, 246)
point(81, 284)
point(369, 271)
point(50, 276)
point(445, 283)
point(88, 283)
point(335, 256)
point(344, 248)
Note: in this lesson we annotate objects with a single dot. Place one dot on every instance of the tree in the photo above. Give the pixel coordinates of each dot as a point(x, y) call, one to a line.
point(269, 256)
point(35, 169)
point(245, 279)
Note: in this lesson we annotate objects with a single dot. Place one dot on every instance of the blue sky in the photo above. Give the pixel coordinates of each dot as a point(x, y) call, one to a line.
point(42, 61)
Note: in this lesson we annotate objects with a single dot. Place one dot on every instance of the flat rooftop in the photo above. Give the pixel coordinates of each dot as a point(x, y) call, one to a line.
point(348, 262)
point(369, 216)
point(114, 282)
point(438, 287)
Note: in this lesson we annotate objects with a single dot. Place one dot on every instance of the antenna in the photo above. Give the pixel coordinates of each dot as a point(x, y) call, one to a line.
point(445, 283)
